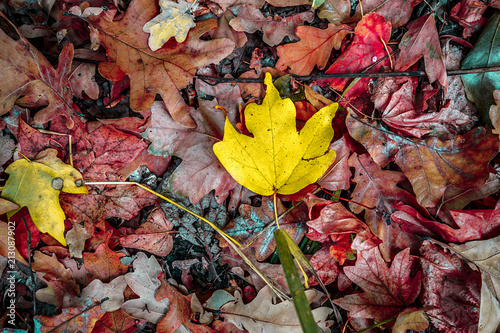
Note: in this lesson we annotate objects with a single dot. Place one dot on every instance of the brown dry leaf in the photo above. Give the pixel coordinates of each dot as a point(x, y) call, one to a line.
point(29, 80)
point(104, 264)
point(250, 19)
point(144, 282)
point(397, 12)
point(335, 11)
point(152, 236)
point(75, 238)
point(262, 315)
point(313, 49)
point(431, 165)
point(410, 319)
point(81, 80)
point(164, 71)
point(495, 112)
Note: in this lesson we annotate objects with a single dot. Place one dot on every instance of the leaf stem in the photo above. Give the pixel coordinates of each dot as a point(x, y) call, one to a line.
point(276, 211)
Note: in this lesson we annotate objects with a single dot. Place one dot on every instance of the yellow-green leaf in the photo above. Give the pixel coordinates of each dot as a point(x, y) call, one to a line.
point(174, 20)
point(278, 158)
point(37, 185)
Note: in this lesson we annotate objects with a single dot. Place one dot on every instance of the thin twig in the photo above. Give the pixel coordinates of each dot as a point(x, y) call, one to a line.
point(218, 80)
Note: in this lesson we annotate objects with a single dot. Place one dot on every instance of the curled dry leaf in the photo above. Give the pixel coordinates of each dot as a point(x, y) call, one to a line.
point(164, 71)
point(431, 165)
point(262, 315)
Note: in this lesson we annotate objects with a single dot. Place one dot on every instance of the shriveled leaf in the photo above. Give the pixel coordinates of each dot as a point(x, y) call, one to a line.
point(164, 71)
point(174, 20)
point(96, 291)
point(451, 289)
point(335, 11)
point(313, 49)
point(144, 282)
point(152, 236)
point(387, 291)
point(479, 87)
point(250, 19)
point(431, 165)
point(79, 319)
point(76, 238)
point(37, 185)
point(81, 80)
point(200, 172)
point(422, 40)
point(255, 221)
point(261, 314)
point(411, 319)
point(104, 264)
point(30, 80)
point(278, 158)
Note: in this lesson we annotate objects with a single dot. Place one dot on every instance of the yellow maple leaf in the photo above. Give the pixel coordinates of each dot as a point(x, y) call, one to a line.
point(278, 158)
point(37, 185)
point(174, 20)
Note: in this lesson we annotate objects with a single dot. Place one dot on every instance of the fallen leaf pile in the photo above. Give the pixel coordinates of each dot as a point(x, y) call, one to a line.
point(389, 183)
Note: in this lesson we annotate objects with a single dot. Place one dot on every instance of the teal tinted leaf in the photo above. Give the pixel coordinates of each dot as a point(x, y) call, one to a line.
point(486, 53)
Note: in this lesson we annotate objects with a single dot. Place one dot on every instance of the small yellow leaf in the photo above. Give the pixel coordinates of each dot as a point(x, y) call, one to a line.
point(37, 185)
point(278, 158)
point(174, 20)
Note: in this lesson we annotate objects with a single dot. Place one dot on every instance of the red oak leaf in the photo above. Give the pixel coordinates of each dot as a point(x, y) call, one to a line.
point(366, 48)
point(164, 71)
point(117, 322)
point(431, 165)
point(313, 49)
point(422, 40)
point(200, 171)
point(387, 291)
point(451, 289)
point(472, 224)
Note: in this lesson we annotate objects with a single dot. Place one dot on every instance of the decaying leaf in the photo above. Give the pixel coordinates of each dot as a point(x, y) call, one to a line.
point(37, 185)
point(144, 282)
point(174, 20)
point(104, 264)
point(164, 71)
point(278, 158)
point(395, 12)
point(76, 238)
point(30, 80)
point(262, 315)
